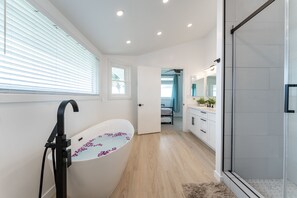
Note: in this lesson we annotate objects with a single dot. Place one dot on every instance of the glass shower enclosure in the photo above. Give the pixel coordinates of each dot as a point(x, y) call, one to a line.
point(260, 96)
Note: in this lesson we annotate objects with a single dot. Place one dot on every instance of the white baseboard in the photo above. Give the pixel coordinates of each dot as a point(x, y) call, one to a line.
point(217, 175)
point(50, 193)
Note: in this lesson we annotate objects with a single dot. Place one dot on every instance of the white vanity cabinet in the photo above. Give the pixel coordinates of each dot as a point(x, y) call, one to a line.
point(212, 130)
point(193, 121)
point(201, 122)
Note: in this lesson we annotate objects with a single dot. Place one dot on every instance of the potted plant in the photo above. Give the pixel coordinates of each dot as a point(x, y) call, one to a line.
point(201, 101)
point(211, 102)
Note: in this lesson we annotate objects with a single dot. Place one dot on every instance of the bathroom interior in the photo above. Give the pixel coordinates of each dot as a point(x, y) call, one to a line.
point(171, 95)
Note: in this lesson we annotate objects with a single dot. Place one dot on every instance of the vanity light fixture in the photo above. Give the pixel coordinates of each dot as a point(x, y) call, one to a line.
point(159, 33)
point(189, 25)
point(165, 1)
point(120, 13)
point(128, 42)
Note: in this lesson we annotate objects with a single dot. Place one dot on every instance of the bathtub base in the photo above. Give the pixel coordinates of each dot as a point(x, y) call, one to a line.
point(101, 183)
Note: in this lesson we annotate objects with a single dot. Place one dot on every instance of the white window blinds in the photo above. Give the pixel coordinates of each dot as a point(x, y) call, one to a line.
point(41, 57)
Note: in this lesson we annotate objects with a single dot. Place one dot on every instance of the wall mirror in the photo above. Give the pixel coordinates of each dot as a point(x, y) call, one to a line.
point(197, 88)
point(211, 90)
point(204, 84)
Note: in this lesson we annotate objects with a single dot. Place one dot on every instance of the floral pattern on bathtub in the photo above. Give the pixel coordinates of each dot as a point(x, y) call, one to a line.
point(101, 145)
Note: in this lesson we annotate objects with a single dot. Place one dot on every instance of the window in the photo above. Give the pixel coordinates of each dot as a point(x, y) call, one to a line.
point(120, 81)
point(38, 56)
point(166, 86)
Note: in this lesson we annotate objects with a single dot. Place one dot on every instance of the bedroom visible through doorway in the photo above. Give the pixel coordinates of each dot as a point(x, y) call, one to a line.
point(172, 97)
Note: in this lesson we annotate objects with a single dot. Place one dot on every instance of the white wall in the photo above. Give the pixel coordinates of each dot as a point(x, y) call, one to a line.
point(210, 47)
point(27, 120)
point(220, 83)
point(25, 128)
point(193, 57)
point(113, 108)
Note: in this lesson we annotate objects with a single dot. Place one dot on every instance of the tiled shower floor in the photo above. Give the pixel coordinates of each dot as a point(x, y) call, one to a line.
point(272, 188)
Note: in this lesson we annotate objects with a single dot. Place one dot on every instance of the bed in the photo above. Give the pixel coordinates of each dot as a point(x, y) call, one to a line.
point(166, 114)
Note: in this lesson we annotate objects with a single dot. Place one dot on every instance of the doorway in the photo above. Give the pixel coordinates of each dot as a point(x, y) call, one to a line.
point(172, 83)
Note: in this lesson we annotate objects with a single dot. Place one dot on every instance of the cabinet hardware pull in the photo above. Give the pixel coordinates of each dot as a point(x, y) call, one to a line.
point(202, 131)
point(203, 112)
point(193, 121)
point(203, 119)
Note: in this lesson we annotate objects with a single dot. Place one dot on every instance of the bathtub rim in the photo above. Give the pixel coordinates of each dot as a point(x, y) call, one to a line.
point(49, 156)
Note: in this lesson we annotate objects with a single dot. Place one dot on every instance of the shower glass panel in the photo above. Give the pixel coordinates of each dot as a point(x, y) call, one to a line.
point(291, 88)
point(254, 87)
point(258, 103)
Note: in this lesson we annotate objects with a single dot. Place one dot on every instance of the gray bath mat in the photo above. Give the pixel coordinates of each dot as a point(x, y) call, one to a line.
point(207, 190)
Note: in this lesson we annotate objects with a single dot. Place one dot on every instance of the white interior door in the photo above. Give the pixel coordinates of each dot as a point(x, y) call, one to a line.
point(149, 100)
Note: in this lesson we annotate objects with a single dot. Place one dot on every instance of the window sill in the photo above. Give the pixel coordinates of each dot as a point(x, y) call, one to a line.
point(37, 97)
point(119, 97)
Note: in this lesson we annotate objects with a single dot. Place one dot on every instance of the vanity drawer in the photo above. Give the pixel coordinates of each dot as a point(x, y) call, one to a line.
point(211, 116)
point(203, 123)
point(203, 114)
point(194, 111)
point(203, 135)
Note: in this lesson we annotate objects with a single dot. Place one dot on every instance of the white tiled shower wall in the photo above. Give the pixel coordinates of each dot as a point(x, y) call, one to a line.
point(259, 57)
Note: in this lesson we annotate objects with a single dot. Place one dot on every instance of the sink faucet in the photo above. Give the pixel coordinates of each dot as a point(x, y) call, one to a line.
point(63, 159)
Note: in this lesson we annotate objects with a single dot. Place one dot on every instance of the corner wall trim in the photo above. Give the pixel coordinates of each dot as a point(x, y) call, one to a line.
point(50, 193)
point(217, 175)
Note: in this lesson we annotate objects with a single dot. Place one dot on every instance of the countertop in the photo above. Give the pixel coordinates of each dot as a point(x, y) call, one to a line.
point(210, 110)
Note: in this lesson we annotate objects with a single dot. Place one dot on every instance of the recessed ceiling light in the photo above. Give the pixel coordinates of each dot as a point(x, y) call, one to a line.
point(128, 42)
point(159, 33)
point(120, 13)
point(165, 1)
point(189, 25)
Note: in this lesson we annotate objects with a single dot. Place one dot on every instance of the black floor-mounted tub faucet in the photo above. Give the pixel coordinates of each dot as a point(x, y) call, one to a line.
point(63, 155)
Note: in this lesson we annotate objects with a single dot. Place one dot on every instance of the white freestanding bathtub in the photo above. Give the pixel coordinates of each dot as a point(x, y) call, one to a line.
point(98, 176)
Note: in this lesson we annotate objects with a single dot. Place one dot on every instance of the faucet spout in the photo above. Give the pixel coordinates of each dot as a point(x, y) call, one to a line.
point(63, 154)
point(60, 115)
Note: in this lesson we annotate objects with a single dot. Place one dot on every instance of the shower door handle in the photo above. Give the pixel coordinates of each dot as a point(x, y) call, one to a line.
point(287, 97)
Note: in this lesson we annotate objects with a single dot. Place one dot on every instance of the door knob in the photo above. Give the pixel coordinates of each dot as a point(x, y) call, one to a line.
point(140, 105)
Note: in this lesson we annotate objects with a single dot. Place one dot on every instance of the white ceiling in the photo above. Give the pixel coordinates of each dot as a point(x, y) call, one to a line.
point(142, 19)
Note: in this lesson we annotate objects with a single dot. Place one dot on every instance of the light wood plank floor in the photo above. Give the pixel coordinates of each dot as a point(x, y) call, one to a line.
point(160, 163)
